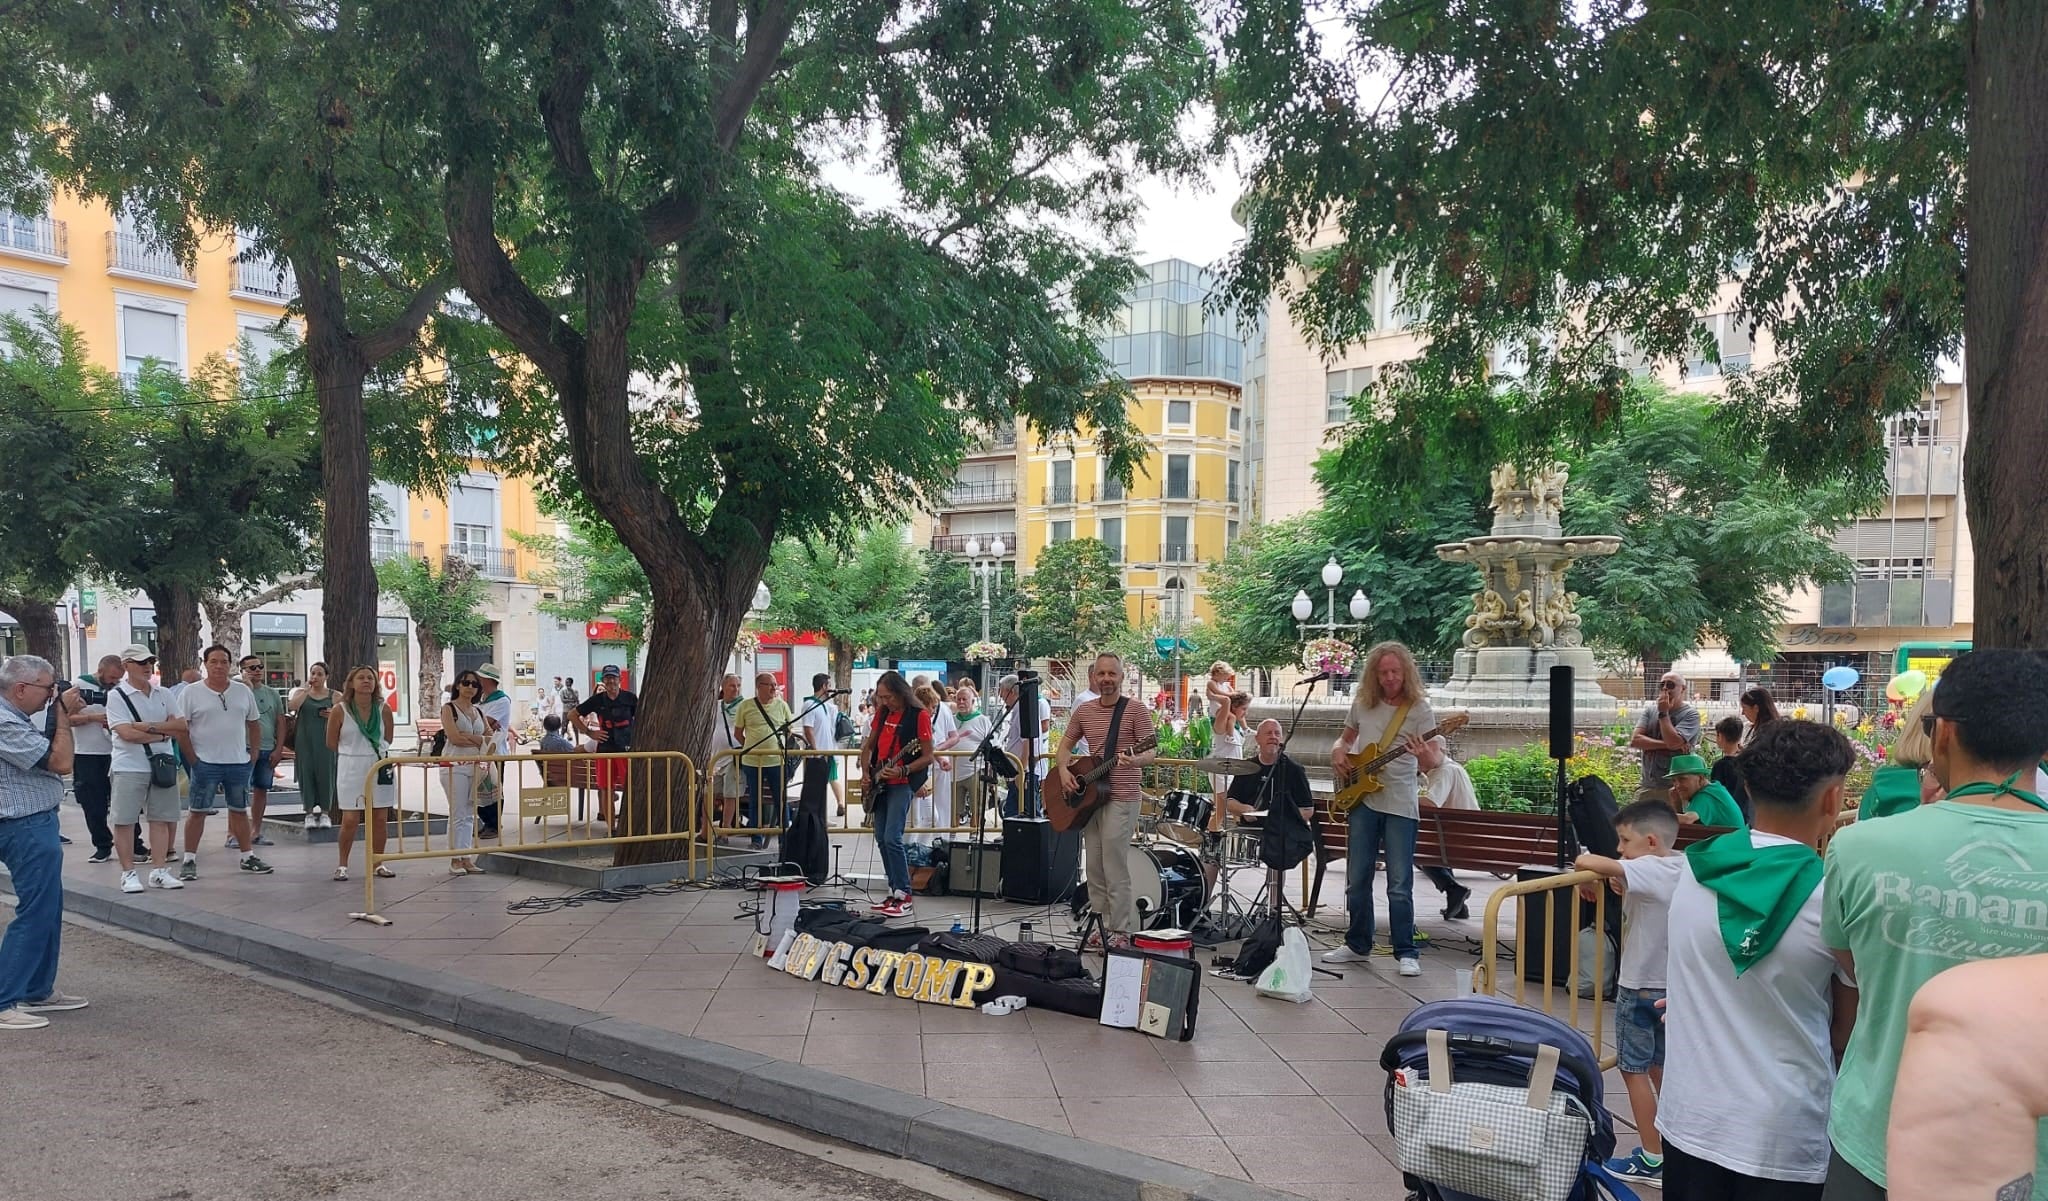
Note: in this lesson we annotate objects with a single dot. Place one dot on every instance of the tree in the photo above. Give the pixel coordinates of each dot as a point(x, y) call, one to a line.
point(274, 122)
point(597, 577)
point(636, 187)
point(1572, 185)
point(447, 609)
point(1073, 600)
point(49, 389)
point(225, 610)
point(859, 596)
point(946, 613)
point(1710, 545)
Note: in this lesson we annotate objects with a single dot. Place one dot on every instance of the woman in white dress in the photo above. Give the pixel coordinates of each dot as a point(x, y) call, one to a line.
point(970, 727)
point(925, 812)
point(1226, 741)
point(359, 733)
point(463, 720)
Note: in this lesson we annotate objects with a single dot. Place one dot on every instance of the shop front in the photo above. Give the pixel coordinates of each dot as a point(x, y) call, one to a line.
point(608, 648)
point(279, 639)
point(394, 666)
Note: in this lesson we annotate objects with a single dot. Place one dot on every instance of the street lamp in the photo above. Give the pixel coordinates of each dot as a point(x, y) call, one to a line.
point(986, 570)
point(762, 599)
point(1303, 608)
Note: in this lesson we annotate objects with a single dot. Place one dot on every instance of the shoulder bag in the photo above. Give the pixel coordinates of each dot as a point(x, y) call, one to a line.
point(163, 766)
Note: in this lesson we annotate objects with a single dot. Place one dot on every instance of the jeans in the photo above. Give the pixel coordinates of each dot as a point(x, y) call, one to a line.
point(888, 823)
point(230, 780)
point(1374, 833)
point(766, 783)
point(28, 955)
point(89, 781)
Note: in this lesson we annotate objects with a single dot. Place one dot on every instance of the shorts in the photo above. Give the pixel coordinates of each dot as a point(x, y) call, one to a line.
point(610, 774)
point(261, 771)
point(134, 800)
point(1639, 1029)
point(229, 780)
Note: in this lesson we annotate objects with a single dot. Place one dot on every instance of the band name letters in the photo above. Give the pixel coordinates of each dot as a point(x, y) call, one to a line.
point(909, 975)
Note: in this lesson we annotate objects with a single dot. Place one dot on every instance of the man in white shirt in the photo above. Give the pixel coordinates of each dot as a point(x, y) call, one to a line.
point(1758, 1008)
point(1013, 739)
point(821, 730)
point(141, 722)
point(93, 756)
point(223, 736)
point(1447, 786)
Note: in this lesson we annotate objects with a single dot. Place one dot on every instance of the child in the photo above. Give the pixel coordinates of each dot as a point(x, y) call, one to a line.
point(1699, 802)
point(1648, 831)
point(1727, 773)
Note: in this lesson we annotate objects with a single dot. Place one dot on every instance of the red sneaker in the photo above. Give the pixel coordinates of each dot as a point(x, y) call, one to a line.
point(894, 907)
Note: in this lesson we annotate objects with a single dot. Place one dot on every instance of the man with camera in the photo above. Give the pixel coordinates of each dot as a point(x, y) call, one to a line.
point(35, 756)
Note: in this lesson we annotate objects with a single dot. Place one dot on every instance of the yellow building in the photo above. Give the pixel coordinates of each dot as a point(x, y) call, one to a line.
point(133, 302)
point(1181, 512)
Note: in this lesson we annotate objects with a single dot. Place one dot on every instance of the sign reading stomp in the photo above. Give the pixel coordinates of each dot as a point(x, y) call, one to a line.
point(909, 975)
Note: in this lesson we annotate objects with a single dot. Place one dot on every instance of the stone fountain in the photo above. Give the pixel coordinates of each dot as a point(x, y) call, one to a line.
point(1524, 617)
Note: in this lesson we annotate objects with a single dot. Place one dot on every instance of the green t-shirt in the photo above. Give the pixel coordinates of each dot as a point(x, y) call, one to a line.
point(1716, 808)
point(1894, 788)
point(1910, 896)
point(268, 705)
point(753, 721)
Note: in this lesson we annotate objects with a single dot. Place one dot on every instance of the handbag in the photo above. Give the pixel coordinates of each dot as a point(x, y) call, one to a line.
point(385, 774)
point(163, 766)
point(843, 728)
point(1490, 1140)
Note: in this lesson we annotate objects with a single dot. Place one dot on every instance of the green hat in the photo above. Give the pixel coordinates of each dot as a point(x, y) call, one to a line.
point(1686, 765)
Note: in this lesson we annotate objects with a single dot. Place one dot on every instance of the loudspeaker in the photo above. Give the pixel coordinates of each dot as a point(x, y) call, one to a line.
point(1561, 910)
point(974, 869)
point(1561, 712)
point(1040, 864)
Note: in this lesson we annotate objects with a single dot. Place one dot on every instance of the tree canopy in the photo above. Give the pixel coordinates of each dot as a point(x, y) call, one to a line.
point(946, 610)
point(859, 594)
point(1556, 194)
point(446, 604)
point(1073, 600)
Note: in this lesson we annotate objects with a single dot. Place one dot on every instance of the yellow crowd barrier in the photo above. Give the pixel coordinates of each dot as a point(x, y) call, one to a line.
point(622, 798)
point(725, 798)
point(1547, 902)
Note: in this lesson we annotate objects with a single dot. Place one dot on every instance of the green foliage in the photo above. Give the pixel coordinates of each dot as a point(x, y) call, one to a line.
point(1074, 600)
point(1554, 180)
point(446, 603)
point(55, 472)
point(946, 610)
point(1711, 543)
point(597, 577)
point(1520, 779)
point(858, 594)
point(1192, 742)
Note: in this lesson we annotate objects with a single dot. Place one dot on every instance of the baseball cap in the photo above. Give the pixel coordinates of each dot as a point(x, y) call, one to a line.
point(489, 671)
point(138, 654)
point(608, 670)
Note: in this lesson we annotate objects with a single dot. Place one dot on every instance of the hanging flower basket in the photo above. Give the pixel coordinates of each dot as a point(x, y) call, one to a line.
point(986, 652)
point(747, 643)
point(1333, 655)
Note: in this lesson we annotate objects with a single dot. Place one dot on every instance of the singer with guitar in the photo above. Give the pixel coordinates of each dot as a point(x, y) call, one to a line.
point(896, 760)
point(1390, 711)
point(1115, 728)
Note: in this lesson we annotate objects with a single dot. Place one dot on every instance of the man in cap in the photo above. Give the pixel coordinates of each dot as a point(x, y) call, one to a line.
point(1698, 800)
point(608, 716)
point(140, 723)
point(498, 707)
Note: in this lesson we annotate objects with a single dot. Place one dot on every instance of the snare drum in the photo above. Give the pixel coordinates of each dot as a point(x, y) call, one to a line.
point(1184, 816)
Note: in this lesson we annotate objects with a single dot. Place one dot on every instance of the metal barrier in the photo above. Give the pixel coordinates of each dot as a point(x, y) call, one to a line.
point(1486, 978)
point(716, 800)
point(616, 794)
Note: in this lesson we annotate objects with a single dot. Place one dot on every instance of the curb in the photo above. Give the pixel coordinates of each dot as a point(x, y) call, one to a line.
point(979, 1146)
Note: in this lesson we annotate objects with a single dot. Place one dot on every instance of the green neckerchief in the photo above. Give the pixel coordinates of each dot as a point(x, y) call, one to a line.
point(372, 729)
point(497, 694)
point(1716, 807)
point(1760, 889)
point(1894, 788)
point(1985, 788)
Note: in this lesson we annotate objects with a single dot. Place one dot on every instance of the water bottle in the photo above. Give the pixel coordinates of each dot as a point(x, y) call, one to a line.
point(957, 927)
point(1024, 932)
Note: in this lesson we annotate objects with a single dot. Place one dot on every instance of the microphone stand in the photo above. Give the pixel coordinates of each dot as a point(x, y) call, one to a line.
point(983, 765)
point(1279, 898)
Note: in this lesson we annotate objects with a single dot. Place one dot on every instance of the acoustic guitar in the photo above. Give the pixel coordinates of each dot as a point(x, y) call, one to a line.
point(1071, 810)
point(1359, 778)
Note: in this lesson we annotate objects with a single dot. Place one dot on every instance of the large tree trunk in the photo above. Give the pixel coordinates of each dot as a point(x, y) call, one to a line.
point(348, 601)
point(40, 628)
point(842, 663)
point(177, 629)
point(430, 673)
point(1654, 667)
point(2005, 321)
point(224, 615)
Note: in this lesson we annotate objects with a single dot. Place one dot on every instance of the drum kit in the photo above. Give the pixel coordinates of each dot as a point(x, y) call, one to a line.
point(1180, 848)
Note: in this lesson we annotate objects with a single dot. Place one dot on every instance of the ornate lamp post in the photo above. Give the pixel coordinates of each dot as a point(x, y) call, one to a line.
point(762, 599)
point(987, 571)
point(1304, 608)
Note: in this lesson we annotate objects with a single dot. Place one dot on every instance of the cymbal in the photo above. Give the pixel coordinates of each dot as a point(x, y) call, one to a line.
point(1217, 765)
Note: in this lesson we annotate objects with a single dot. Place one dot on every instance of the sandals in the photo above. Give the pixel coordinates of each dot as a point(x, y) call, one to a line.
point(385, 873)
point(341, 873)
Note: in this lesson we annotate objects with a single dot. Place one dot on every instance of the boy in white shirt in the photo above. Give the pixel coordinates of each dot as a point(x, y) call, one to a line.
point(1759, 1008)
point(1648, 831)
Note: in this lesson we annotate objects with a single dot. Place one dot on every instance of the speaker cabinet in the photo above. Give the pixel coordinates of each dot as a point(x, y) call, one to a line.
point(1561, 712)
point(1040, 864)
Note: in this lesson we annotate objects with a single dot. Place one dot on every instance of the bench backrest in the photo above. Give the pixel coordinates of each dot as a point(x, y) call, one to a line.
point(1482, 840)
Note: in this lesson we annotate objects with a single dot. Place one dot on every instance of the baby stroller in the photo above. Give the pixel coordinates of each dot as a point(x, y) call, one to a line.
point(1468, 1106)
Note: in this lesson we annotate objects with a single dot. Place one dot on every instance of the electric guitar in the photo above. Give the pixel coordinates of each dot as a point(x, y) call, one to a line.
point(1071, 810)
point(1356, 774)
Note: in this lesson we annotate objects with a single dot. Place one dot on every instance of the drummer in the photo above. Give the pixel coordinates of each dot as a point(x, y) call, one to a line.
point(1278, 781)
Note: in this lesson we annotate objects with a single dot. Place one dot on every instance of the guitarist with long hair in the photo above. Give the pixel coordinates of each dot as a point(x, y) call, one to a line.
point(898, 758)
point(1109, 831)
point(1391, 709)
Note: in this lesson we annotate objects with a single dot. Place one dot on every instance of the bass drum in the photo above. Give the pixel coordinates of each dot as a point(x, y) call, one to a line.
point(1167, 882)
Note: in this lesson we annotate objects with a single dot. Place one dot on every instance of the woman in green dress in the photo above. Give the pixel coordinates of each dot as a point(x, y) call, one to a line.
point(309, 706)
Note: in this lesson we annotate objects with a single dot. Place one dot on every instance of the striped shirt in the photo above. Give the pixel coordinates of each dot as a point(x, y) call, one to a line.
point(26, 786)
point(1091, 721)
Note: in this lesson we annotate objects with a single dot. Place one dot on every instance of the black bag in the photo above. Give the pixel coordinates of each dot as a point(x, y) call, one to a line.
point(843, 729)
point(1590, 808)
point(974, 948)
point(807, 843)
point(1259, 949)
point(163, 766)
point(440, 743)
point(1043, 960)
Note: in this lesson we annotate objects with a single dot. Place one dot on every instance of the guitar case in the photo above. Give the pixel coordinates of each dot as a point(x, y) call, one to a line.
point(807, 843)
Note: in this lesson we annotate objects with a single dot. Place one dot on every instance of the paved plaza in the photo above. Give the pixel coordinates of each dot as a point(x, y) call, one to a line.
point(1277, 1093)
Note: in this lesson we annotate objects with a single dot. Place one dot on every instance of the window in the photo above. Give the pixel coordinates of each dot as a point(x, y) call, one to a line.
point(1112, 487)
point(266, 340)
point(1176, 549)
point(142, 628)
point(1173, 602)
point(470, 540)
point(1230, 487)
point(1180, 413)
point(150, 335)
point(1062, 531)
point(1229, 534)
point(1236, 419)
point(1062, 490)
point(1179, 485)
point(1920, 427)
point(1338, 389)
point(1111, 531)
point(1729, 335)
point(21, 296)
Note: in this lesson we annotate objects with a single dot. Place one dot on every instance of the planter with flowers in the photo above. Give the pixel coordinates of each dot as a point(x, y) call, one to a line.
point(986, 652)
point(1333, 655)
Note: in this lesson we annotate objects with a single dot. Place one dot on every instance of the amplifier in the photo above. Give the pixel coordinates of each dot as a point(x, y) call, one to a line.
point(1040, 864)
point(969, 873)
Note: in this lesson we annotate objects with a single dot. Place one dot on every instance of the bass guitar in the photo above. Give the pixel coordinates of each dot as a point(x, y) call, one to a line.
point(1357, 778)
point(1071, 810)
point(904, 754)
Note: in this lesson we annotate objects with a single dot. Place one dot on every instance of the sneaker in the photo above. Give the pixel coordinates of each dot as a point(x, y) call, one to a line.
point(1410, 966)
point(1454, 905)
point(105, 856)
point(894, 907)
point(260, 841)
point(1636, 1165)
point(12, 1018)
point(64, 839)
point(232, 844)
point(1345, 955)
point(131, 881)
point(188, 870)
point(56, 1002)
point(252, 864)
point(162, 878)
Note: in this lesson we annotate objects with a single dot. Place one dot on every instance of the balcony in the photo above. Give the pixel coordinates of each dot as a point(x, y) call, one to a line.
point(264, 279)
point(1926, 468)
point(491, 562)
point(1182, 490)
point(956, 544)
point(1900, 601)
point(383, 549)
point(1230, 494)
point(1065, 494)
point(970, 494)
point(1002, 443)
point(1180, 552)
point(128, 254)
point(1112, 489)
point(39, 237)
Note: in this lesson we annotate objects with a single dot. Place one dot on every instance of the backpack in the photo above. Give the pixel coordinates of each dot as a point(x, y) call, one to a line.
point(843, 728)
point(1590, 808)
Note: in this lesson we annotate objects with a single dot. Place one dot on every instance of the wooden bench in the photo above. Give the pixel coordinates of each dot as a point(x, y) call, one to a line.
point(577, 775)
point(1476, 840)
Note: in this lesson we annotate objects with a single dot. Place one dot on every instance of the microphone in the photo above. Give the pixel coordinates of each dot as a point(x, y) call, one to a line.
point(1317, 678)
point(840, 692)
